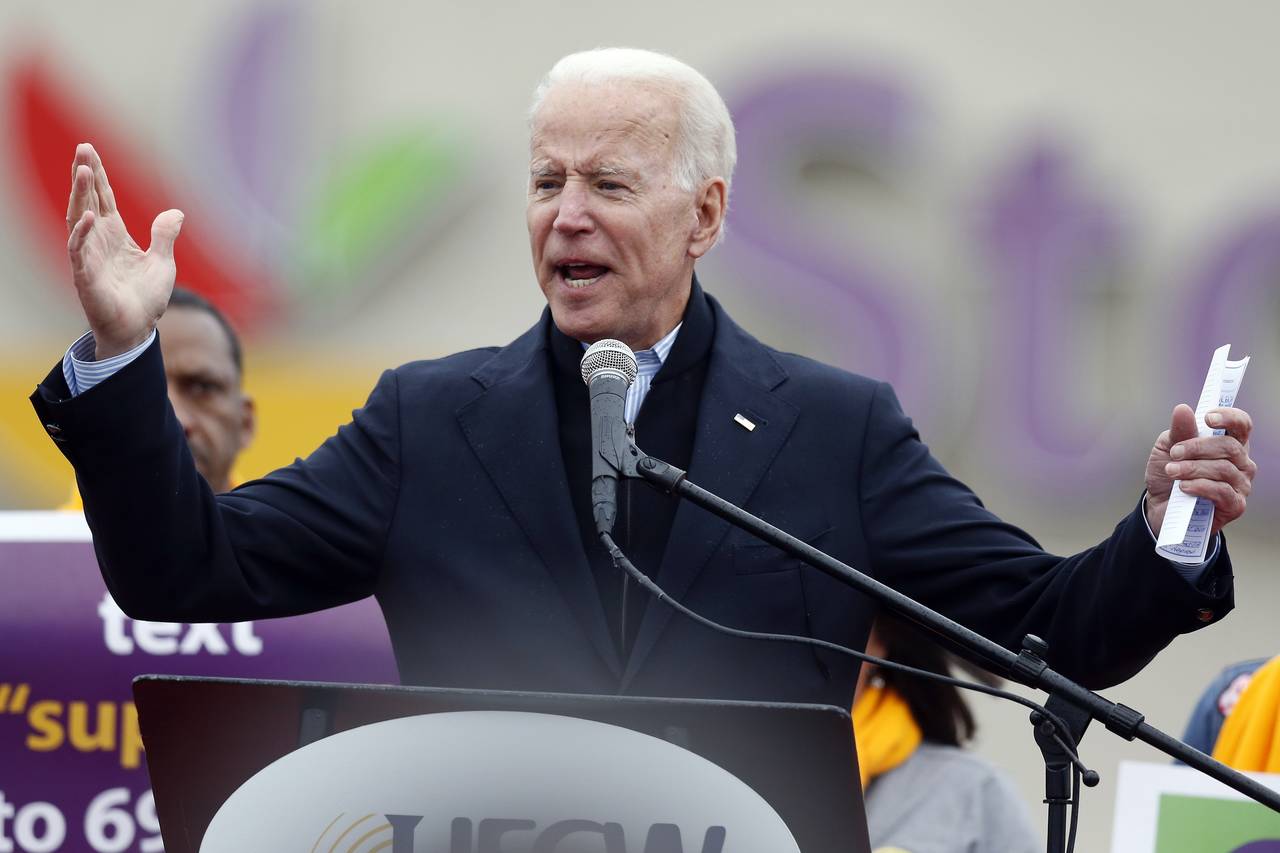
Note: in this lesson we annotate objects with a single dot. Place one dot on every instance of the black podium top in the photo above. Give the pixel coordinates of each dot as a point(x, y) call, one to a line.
point(205, 737)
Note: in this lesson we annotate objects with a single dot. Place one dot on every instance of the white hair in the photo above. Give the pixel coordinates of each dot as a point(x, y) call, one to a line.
point(705, 146)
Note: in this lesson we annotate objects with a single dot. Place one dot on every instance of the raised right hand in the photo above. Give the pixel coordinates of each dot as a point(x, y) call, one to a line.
point(123, 290)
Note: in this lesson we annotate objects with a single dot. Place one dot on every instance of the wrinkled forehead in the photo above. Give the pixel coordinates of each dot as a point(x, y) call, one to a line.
point(590, 121)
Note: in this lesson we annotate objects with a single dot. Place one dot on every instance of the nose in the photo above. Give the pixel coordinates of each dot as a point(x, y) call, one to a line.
point(181, 411)
point(573, 215)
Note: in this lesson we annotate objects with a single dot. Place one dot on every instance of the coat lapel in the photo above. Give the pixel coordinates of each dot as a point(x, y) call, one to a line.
point(728, 460)
point(513, 429)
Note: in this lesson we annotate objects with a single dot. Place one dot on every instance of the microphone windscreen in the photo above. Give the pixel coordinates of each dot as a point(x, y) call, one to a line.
point(609, 355)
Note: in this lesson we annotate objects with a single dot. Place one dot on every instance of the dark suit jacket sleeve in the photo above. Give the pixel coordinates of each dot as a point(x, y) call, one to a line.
point(1105, 612)
point(308, 536)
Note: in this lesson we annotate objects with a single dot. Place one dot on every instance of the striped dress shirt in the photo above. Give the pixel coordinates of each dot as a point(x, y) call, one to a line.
point(648, 363)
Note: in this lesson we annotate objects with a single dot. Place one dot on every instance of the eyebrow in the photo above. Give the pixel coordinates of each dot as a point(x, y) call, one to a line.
point(547, 169)
point(201, 374)
point(613, 172)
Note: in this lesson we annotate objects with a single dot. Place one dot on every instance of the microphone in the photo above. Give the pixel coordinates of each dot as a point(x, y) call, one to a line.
point(608, 368)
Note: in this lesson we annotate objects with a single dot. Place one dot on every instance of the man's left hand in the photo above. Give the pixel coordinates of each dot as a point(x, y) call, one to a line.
point(1216, 467)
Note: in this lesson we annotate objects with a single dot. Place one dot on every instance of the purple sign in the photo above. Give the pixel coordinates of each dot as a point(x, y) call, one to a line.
point(1003, 309)
point(72, 769)
point(853, 297)
point(1233, 298)
point(1053, 249)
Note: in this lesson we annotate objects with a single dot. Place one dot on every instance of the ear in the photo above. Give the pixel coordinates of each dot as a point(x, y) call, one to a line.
point(248, 421)
point(711, 201)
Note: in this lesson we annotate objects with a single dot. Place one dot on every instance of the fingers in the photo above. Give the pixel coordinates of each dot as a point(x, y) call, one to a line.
point(1182, 424)
point(1236, 422)
point(1214, 467)
point(164, 231)
point(82, 195)
point(1218, 470)
point(1227, 502)
point(1217, 467)
point(106, 196)
point(90, 189)
point(79, 230)
point(75, 243)
point(1212, 447)
point(87, 154)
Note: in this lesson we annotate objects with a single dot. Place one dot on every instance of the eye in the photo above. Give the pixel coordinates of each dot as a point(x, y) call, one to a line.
point(543, 185)
point(610, 186)
point(198, 389)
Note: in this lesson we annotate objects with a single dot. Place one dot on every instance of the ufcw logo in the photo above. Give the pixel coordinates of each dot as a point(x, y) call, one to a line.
point(507, 835)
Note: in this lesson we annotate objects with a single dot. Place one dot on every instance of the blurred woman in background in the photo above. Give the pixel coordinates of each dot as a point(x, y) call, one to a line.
point(924, 793)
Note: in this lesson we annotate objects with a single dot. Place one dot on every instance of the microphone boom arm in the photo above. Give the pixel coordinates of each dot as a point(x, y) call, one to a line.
point(1026, 667)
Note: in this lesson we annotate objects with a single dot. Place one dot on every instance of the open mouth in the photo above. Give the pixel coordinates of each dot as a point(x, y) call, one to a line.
point(579, 275)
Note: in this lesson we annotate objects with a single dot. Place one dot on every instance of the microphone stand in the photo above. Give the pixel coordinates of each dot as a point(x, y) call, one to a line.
point(1069, 700)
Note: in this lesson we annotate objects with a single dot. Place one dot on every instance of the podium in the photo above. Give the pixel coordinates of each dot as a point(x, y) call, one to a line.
point(262, 765)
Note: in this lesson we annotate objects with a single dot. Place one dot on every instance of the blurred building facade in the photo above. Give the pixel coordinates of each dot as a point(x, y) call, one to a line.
point(1036, 222)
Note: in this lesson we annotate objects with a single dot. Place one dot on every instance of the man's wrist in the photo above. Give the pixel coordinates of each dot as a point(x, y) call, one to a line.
point(105, 349)
point(83, 371)
point(1153, 511)
point(1195, 572)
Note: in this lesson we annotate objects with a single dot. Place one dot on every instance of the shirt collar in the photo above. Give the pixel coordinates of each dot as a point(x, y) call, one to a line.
point(663, 347)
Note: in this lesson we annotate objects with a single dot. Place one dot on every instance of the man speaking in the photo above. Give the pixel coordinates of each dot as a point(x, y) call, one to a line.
point(459, 495)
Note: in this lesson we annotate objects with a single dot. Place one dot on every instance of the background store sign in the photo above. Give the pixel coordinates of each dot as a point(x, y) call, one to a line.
point(72, 769)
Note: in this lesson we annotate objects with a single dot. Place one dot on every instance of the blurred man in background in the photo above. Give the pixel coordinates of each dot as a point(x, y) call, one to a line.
point(204, 369)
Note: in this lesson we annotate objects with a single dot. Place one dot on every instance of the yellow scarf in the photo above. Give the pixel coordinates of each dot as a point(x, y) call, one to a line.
point(1250, 737)
point(884, 731)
